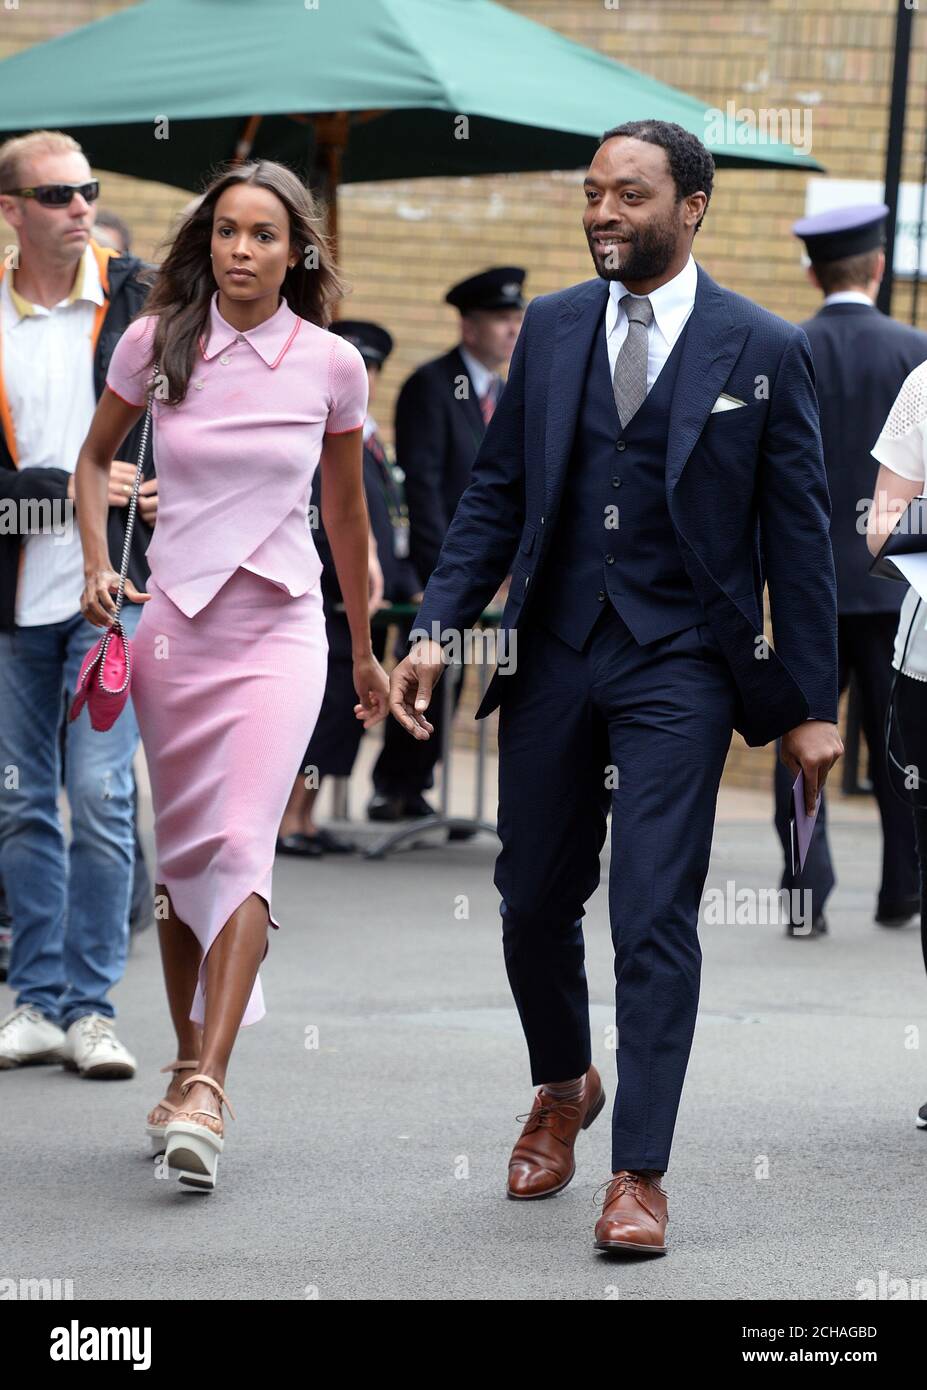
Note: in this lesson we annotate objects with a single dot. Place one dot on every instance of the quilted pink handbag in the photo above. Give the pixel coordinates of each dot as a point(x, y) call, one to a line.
point(106, 671)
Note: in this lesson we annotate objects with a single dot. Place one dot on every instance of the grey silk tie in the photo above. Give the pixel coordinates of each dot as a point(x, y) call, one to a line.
point(630, 379)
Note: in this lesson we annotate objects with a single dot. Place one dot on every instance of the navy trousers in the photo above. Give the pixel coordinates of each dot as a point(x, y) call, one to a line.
point(643, 731)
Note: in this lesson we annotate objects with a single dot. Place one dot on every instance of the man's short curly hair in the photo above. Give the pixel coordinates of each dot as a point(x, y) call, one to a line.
point(691, 164)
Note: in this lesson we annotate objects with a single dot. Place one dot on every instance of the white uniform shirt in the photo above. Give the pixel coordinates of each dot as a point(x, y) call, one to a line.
point(483, 377)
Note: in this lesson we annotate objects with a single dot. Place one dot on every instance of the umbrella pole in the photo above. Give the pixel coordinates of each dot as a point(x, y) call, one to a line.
point(331, 138)
point(246, 140)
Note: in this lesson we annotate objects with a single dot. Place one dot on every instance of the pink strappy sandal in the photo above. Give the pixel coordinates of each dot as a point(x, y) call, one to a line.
point(156, 1131)
point(193, 1148)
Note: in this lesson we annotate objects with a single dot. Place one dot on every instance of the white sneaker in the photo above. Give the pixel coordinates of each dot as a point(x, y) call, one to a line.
point(26, 1036)
point(92, 1048)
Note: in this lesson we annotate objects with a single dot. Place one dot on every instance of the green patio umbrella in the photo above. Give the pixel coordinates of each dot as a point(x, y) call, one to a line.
point(344, 91)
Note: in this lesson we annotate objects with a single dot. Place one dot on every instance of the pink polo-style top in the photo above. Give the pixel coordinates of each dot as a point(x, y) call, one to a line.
point(235, 460)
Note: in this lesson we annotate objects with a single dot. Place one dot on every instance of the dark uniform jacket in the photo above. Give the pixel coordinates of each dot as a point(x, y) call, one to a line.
point(438, 434)
point(861, 358)
point(384, 496)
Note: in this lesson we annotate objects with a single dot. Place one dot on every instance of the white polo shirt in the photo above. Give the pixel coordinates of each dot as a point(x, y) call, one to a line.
point(48, 374)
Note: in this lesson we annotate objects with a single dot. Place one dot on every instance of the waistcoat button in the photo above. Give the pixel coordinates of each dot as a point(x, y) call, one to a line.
point(601, 596)
point(621, 446)
point(609, 559)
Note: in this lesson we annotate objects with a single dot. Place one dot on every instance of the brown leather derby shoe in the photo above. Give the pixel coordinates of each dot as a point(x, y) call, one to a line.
point(634, 1214)
point(542, 1161)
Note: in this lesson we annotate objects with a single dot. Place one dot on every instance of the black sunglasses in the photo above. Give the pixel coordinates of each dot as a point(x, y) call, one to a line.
point(58, 195)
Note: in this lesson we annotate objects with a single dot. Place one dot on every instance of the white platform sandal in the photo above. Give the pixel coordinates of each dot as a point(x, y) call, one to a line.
point(154, 1130)
point(193, 1148)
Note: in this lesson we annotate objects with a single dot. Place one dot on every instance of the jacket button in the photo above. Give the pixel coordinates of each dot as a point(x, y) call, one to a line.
point(601, 596)
point(621, 446)
point(609, 559)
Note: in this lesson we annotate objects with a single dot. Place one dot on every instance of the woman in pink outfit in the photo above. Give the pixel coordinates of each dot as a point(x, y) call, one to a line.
point(230, 654)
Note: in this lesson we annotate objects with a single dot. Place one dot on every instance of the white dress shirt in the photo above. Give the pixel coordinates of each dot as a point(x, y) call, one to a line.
point(672, 304)
point(48, 374)
point(847, 297)
point(483, 377)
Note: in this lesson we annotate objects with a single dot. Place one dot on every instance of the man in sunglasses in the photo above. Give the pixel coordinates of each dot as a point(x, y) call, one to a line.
point(64, 302)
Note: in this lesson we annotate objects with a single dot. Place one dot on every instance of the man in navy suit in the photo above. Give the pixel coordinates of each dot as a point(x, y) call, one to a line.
point(861, 357)
point(654, 459)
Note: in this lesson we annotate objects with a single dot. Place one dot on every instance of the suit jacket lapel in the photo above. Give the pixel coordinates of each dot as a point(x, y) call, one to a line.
point(711, 347)
point(576, 324)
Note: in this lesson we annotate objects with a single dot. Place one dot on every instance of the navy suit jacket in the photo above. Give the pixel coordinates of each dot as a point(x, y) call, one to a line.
point(746, 492)
point(861, 359)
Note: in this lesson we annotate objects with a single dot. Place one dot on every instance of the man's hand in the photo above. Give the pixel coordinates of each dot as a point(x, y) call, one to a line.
point(121, 482)
point(148, 501)
point(121, 478)
point(411, 685)
point(811, 748)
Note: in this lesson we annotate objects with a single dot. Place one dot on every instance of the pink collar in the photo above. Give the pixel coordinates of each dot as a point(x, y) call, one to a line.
point(270, 339)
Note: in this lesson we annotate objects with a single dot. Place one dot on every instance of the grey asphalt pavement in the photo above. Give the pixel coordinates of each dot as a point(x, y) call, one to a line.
point(372, 1165)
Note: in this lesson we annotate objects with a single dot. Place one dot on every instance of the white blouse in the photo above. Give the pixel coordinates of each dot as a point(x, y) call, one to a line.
point(902, 447)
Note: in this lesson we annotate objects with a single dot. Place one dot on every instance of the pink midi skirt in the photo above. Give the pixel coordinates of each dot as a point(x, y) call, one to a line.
point(226, 703)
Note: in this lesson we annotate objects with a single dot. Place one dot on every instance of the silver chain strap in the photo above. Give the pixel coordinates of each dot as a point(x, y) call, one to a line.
point(116, 628)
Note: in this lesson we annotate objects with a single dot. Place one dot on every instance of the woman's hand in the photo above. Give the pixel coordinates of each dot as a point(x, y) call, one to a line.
point(372, 686)
point(97, 603)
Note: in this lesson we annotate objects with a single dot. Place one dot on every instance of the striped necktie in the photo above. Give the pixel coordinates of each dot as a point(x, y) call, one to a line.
point(488, 401)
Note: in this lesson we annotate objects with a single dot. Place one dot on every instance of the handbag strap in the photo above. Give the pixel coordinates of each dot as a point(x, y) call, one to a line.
point(133, 503)
point(115, 627)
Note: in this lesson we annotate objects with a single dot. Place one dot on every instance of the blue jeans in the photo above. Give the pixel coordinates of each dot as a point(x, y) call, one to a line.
point(69, 906)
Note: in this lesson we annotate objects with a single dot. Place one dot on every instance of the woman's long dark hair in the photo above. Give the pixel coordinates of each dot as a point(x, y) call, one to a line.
point(183, 284)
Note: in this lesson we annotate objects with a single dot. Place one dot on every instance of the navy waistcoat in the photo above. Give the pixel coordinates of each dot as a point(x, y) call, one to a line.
point(614, 540)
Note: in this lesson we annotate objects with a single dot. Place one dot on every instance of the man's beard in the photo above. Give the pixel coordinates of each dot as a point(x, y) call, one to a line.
point(649, 253)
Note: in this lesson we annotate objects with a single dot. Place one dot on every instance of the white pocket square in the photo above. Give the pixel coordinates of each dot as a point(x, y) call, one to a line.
point(726, 402)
